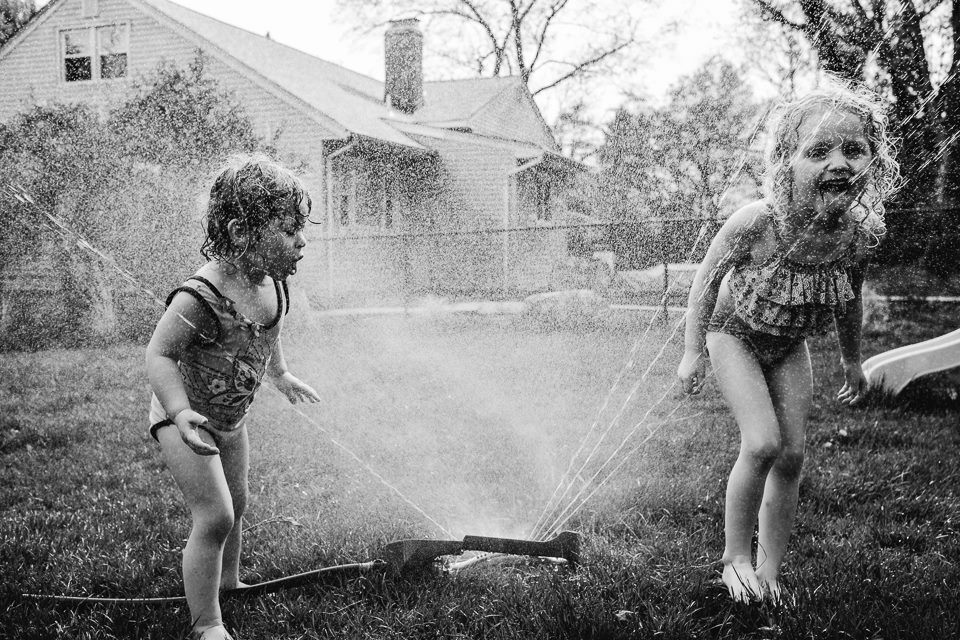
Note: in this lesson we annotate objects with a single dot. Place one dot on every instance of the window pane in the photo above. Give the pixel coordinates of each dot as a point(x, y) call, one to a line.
point(77, 69)
point(76, 42)
point(344, 210)
point(112, 39)
point(113, 66)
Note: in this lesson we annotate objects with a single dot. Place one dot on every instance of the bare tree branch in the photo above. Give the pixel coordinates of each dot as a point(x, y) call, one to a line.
point(541, 38)
point(586, 64)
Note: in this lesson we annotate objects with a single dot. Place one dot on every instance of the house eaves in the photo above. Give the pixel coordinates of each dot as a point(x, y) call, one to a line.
point(522, 151)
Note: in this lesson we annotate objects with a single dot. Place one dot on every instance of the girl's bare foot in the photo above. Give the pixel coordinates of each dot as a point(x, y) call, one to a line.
point(236, 585)
point(216, 632)
point(771, 589)
point(741, 582)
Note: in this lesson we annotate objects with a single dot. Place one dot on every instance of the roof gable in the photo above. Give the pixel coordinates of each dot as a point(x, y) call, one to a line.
point(501, 107)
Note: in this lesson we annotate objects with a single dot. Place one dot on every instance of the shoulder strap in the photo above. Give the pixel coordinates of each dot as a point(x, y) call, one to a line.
point(286, 297)
point(208, 284)
point(199, 298)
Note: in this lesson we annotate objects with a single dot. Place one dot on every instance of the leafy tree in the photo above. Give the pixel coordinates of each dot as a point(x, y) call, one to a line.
point(694, 157)
point(126, 182)
point(13, 15)
point(911, 50)
point(180, 116)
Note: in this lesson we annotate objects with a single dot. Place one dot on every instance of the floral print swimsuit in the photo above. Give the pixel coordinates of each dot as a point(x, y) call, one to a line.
point(779, 302)
point(222, 373)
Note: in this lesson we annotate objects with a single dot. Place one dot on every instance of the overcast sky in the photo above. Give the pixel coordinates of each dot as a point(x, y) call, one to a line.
point(310, 26)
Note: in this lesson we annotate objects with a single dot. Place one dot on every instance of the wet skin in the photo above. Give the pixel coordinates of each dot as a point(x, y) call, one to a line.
point(830, 166)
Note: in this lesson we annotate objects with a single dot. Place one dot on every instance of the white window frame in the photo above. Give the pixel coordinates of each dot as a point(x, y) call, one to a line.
point(347, 192)
point(95, 52)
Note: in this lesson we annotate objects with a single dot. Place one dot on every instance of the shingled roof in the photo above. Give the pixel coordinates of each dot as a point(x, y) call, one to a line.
point(352, 101)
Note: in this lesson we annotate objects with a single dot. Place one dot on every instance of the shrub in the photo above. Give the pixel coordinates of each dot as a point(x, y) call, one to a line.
point(124, 182)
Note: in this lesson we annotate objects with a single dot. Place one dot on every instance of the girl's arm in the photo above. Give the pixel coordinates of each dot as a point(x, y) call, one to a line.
point(288, 384)
point(181, 325)
point(730, 246)
point(849, 324)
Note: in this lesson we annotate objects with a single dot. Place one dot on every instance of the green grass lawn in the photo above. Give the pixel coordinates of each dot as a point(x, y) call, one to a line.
point(468, 423)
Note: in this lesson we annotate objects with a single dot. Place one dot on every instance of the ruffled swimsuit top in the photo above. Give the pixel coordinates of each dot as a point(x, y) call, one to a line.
point(784, 297)
point(223, 372)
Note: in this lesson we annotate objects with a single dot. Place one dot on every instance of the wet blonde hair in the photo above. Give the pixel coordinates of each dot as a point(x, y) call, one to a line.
point(836, 95)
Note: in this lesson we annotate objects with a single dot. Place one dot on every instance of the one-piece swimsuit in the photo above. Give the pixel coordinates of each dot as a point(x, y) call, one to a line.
point(222, 373)
point(778, 303)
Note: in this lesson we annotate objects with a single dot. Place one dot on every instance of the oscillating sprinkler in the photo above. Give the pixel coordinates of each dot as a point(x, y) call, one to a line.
point(412, 555)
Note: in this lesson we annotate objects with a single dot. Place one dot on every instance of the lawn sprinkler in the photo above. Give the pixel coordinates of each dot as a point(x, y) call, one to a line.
point(404, 556)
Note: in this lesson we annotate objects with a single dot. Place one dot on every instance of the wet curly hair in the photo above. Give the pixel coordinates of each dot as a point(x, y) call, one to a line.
point(838, 95)
point(253, 189)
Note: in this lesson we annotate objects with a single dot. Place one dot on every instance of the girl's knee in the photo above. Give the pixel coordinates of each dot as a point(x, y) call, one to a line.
point(789, 463)
point(762, 453)
point(214, 524)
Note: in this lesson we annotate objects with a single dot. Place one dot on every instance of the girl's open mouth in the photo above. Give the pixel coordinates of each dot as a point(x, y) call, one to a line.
point(836, 186)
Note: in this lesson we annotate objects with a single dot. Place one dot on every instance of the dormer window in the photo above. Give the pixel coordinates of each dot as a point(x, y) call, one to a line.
point(77, 55)
point(95, 52)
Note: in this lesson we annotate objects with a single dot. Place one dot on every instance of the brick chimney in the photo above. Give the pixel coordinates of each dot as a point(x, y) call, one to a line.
point(403, 48)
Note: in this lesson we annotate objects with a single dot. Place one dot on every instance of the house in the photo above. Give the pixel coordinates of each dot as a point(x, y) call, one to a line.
point(442, 187)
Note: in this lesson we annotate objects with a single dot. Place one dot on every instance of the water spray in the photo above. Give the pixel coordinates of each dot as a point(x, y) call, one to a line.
point(400, 557)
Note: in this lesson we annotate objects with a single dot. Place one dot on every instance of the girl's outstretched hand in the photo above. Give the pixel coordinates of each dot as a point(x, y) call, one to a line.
point(692, 371)
point(854, 386)
point(295, 389)
point(187, 421)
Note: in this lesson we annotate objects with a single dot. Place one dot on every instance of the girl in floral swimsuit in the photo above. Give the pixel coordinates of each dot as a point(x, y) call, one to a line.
point(779, 270)
point(218, 338)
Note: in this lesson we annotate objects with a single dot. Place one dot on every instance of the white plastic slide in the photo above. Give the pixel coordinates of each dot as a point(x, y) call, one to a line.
point(893, 370)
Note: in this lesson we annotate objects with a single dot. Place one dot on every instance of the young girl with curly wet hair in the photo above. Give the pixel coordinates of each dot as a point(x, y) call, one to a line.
point(216, 341)
point(781, 269)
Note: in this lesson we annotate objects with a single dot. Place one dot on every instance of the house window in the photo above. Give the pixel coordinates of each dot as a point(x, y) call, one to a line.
point(345, 197)
point(344, 210)
point(112, 45)
point(77, 55)
point(376, 199)
point(541, 195)
point(99, 52)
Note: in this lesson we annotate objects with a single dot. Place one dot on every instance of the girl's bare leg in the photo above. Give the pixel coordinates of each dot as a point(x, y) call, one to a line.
point(742, 383)
point(791, 387)
point(235, 454)
point(204, 487)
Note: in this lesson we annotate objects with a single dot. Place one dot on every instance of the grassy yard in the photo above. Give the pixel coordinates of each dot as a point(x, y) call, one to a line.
point(469, 423)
